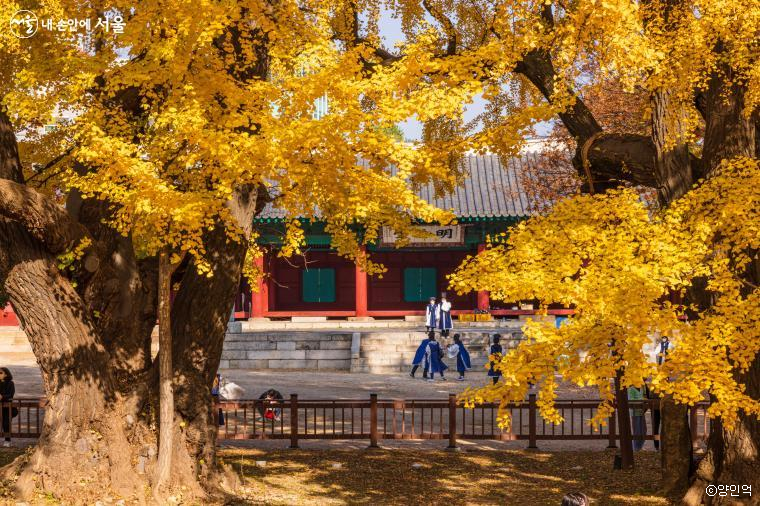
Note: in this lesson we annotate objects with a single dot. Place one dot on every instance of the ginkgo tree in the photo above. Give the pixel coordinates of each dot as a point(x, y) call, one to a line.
point(694, 63)
point(176, 133)
point(618, 263)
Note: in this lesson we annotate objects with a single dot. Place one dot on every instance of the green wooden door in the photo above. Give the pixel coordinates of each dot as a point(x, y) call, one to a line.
point(419, 283)
point(318, 285)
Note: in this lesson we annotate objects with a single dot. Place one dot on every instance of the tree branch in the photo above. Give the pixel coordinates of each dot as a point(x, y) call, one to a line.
point(45, 220)
point(448, 27)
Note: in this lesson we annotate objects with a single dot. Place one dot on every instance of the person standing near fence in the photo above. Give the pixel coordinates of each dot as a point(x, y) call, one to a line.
point(458, 351)
point(434, 356)
point(215, 396)
point(421, 356)
point(7, 391)
point(638, 424)
point(495, 353)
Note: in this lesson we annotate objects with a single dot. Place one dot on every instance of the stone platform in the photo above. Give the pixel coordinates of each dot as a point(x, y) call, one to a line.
point(379, 346)
point(362, 347)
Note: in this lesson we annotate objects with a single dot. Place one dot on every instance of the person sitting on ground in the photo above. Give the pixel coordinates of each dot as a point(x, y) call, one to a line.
point(458, 351)
point(7, 391)
point(495, 351)
point(575, 499)
point(266, 409)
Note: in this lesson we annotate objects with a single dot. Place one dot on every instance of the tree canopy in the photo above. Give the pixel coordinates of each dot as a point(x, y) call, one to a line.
point(619, 263)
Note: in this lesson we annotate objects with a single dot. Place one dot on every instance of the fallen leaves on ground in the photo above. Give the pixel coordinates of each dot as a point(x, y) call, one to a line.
point(295, 477)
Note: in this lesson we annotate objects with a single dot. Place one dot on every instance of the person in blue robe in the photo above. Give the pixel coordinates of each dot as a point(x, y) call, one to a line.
point(430, 315)
point(434, 355)
point(443, 314)
point(664, 347)
point(496, 350)
point(458, 351)
point(421, 356)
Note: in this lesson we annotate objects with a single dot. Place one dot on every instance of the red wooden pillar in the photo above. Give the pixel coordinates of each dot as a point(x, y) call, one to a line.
point(483, 299)
point(361, 290)
point(260, 299)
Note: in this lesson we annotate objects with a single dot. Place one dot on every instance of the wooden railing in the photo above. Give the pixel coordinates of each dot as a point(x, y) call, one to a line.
point(28, 421)
point(379, 419)
point(376, 419)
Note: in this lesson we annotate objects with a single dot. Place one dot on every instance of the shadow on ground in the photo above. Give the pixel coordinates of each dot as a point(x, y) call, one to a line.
point(479, 477)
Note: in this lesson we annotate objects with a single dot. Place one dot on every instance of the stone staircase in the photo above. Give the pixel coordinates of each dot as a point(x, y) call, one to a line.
point(390, 352)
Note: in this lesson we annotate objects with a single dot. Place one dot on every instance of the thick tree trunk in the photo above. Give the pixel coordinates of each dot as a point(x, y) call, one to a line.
point(90, 435)
point(675, 445)
point(91, 340)
point(733, 456)
point(674, 175)
point(198, 329)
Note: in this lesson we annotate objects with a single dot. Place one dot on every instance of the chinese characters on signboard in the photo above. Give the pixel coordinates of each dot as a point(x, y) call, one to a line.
point(428, 235)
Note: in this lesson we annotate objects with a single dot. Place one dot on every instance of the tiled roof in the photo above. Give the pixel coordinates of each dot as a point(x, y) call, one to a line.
point(490, 189)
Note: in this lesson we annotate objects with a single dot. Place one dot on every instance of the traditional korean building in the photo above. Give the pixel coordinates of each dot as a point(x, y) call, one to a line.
point(490, 200)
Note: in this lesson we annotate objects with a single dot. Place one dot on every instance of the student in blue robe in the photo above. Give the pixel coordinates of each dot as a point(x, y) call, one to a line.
point(421, 356)
point(458, 351)
point(430, 315)
point(443, 314)
point(497, 350)
point(664, 347)
point(434, 355)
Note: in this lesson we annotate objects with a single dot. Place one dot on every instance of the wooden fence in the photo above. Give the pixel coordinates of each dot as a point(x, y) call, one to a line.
point(376, 419)
point(379, 419)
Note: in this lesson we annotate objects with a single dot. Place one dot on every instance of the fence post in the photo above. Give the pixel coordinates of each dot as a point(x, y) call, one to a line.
point(373, 421)
point(453, 422)
point(294, 421)
point(4, 406)
point(693, 429)
point(532, 421)
point(612, 429)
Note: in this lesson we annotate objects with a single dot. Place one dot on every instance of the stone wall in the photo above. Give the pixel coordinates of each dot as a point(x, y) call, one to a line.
point(287, 350)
